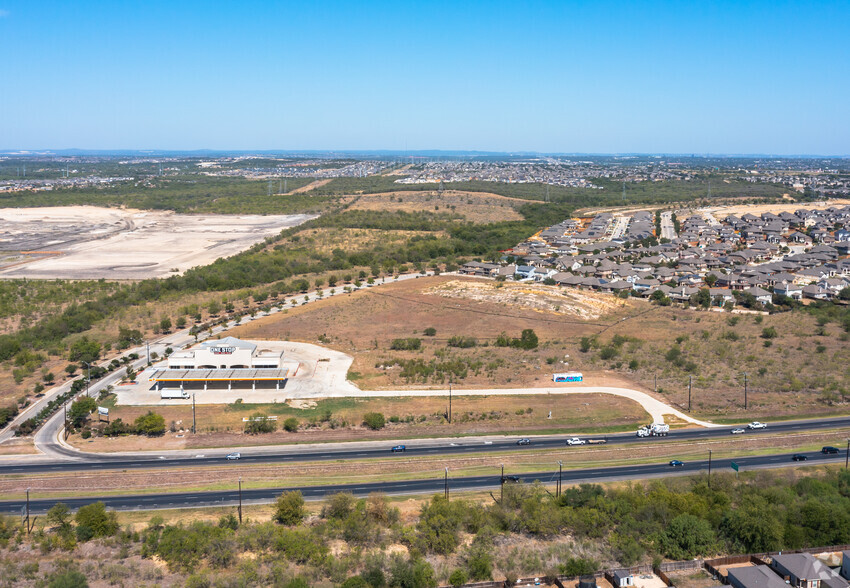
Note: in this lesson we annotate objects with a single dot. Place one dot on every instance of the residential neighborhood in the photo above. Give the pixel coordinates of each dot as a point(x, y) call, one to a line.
point(750, 260)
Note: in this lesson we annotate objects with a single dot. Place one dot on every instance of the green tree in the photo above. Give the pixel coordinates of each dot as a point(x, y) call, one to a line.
point(150, 424)
point(289, 509)
point(84, 350)
point(80, 410)
point(769, 333)
point(260, 423)
point(59, 516)
point(412, 573)
point(355, 582)
point(290, 425)
point(688, 536)
point(93, 520)
point(458, 578)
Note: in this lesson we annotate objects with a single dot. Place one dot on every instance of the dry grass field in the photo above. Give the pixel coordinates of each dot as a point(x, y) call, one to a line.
point(340, 419)
point(802, 372)
point(477, 207)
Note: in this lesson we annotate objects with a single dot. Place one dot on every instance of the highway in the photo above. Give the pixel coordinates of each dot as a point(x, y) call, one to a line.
point(414, 487)
point(77, 461)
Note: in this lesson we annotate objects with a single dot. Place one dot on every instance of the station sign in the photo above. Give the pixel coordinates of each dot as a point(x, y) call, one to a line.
point(222, 350)
point(103, 411)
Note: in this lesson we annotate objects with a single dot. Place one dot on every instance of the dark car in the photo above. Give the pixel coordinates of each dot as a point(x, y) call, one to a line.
point(524, 442)
point(829, 450)
point(399, 448)
point(799, 457)
point(676, 463)
point(506, 479)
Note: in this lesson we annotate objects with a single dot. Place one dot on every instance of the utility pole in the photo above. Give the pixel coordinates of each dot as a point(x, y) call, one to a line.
point(847, 458)
point(560, 470)
point(745, 390)
point(447, 483)
point(690, 379)
point(240, 500)
point(709, 468)
point(149, 351)
point(656, 383)
point(193, 413)
point(28, 511)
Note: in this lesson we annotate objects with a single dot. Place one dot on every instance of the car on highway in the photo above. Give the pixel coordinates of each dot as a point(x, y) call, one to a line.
point(398, 448)
point(828, 450)
point(799, 457)
point(757, 425)
point(524, 442)
point(514, 479)
point(576, 441)
point(738, 431)
point(675, 463)
point(234, 455)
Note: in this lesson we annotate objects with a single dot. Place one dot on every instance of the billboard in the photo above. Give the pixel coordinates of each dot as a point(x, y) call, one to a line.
point(102, 411)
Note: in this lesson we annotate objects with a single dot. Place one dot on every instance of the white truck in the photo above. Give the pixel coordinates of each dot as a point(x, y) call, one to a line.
point(575, 441)
point(173, 393)
point(654, 430)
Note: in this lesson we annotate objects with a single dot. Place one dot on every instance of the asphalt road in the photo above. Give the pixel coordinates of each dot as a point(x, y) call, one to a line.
point(413, 487)
point(417, 448)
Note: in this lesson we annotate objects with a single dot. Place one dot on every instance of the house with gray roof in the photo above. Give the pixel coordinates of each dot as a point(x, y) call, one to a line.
point(754, 577)
point(803, 570)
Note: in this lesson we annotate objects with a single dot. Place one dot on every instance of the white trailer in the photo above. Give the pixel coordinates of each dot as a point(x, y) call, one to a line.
point(173, 394)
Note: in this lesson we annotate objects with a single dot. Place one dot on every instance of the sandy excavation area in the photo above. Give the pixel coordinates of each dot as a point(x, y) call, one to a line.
point(88, 242)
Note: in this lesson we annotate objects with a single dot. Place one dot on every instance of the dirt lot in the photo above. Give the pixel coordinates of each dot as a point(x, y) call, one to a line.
point(365, 323)
point(115, 243)
point(720, 212)
point(477, 207)
point(339, 419)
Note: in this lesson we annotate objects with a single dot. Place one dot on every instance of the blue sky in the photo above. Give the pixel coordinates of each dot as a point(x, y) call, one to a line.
point(594, 77)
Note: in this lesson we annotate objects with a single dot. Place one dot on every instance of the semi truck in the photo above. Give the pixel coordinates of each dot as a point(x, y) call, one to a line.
point(173, 394)
point(654, 430)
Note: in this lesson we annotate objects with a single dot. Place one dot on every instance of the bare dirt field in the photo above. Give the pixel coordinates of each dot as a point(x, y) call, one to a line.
point(87, 242)
point(476, 207)
point(720, 212)
point(311, 186)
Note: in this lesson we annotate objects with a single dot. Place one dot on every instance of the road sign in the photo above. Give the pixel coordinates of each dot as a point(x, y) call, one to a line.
point(102, 410)
point(734, 466)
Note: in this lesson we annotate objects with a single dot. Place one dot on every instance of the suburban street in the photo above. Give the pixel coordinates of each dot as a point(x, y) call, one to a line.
point(668, 229)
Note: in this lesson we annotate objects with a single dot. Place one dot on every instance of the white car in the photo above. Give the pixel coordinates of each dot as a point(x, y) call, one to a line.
point(738, 431)
point(576, 441)
point(235, 455)
point(757, 425)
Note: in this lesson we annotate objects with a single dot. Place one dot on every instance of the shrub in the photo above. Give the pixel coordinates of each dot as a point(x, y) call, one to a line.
point(462, 342)
point(150, 424)
point(290, 425)
point(374, 420)
point(429, 332)
point(260, 423)
point(409, 344)
point(458, 578)
point(289, 509)
point(768, 333)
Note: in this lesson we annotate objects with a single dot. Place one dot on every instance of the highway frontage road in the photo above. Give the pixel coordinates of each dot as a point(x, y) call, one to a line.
point(413, 487)
point(78, 461)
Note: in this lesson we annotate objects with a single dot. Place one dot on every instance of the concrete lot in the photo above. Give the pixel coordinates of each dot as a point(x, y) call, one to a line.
point(88, 242)
point(314, 372)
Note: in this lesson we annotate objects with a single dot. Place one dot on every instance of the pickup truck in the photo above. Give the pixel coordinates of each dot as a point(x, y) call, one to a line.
point(576, 441)
point(757, 425)
point(399, 448)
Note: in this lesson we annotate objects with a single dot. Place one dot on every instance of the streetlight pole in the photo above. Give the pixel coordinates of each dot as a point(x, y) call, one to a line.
point(240, 500)
point(847, 458)
point(28, 511)
point(193, 413)
point(745, 390)
point(447, 483)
